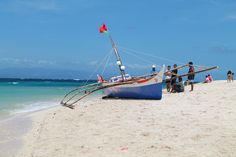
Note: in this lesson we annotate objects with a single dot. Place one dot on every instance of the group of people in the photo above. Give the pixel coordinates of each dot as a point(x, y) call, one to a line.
point(171, 78)
point(230, 76)
point(171, 75)
point(208, 79)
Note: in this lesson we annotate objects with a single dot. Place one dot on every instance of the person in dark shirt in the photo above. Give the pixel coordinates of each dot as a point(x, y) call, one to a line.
point(232, 77)
point(191, 74)
point(174, 73)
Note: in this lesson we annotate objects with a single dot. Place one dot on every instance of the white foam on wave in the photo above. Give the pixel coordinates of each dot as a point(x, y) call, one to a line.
point(35, 106)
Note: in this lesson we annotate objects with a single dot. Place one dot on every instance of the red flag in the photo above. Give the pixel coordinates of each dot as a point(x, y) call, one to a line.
point(103, 29)
point(100, 79)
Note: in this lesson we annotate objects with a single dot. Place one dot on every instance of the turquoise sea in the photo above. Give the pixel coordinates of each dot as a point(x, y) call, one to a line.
point(21, 96)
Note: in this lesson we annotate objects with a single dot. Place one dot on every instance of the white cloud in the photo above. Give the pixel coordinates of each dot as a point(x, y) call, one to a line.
point(45, 5)
point(92, 63)
point(45, 62)
point(231, 17)
point(214, 2)
point(38, 4)
point(28, 5)
point(222, 49)
point(26, 62)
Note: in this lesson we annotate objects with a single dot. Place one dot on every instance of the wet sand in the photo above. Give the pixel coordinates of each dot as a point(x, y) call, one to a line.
point(12, 130)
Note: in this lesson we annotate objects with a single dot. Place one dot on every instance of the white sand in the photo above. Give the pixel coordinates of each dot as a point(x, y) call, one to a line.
point(191, 124)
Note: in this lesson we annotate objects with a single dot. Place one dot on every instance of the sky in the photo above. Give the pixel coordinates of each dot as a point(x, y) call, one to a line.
point(61, 39)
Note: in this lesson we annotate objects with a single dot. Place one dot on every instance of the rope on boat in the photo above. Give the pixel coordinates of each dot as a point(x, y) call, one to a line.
point(108, 55)
point(149, 55)
point(145, 60)
point(134, 52)
point(85, 87)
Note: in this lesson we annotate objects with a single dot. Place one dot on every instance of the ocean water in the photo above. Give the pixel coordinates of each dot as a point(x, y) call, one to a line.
point(26, 96)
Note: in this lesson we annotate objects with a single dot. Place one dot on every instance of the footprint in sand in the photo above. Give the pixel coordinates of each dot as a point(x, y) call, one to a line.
point(145, 134)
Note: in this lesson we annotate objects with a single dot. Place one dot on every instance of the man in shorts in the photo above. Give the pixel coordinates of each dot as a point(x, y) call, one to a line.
point(168, 78)
point(191, 74)
point(232, 77)
point(173, 77)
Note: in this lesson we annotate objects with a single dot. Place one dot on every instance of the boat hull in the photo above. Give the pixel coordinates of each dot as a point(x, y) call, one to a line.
point(147, 91)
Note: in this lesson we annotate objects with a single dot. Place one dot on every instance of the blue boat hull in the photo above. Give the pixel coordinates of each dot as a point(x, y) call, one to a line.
point(150, 91)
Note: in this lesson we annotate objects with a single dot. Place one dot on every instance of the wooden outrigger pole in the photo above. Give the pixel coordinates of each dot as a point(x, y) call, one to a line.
point(179, 67)
point(83, 89)
point(199, 71)
point(68, 103)
point(196, 72)
point(183, 75)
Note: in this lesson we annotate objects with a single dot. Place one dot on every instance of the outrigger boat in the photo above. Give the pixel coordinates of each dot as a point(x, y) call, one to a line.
point(147, 86)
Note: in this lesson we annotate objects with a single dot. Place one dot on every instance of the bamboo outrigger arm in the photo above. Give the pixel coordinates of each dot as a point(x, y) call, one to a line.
point(199, 71)
point(192, 73)
point(179, 67)
point(78, 91)
point(182, 66)
point(71, 105)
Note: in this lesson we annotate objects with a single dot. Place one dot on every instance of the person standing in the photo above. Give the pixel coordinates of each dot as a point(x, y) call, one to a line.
point(232, 77)
point(168, 78)
point(191, 74)
point(229, 76)
point(174, 73)
point(153, 69)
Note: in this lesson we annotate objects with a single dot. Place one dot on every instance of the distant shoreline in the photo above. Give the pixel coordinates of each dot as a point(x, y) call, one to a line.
point(43, 80)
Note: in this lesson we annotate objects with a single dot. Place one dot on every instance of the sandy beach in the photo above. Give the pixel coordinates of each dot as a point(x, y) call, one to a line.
point(190, 124)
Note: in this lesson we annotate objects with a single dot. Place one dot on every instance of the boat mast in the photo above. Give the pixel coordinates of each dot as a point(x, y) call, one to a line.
point(118, 59)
